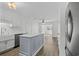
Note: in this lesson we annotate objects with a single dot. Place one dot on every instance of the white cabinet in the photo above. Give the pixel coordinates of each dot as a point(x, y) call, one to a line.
point(6, 42)
point(10, 44)
point(2, 46)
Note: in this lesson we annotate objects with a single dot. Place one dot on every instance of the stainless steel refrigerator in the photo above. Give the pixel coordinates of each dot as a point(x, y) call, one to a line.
point(72, 29)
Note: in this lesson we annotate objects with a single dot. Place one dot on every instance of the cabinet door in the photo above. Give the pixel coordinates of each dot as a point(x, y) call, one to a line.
point(32, 46)
point(10, 44)
point(24, 46)
point(2, 46)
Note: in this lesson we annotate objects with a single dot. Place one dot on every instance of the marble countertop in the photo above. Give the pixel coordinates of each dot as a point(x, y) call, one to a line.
point(29, 35)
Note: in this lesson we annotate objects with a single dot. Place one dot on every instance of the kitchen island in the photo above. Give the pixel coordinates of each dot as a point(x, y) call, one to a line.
point(30, 44)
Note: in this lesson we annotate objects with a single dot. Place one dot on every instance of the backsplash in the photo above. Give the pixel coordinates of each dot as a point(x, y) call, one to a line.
point(5, 29)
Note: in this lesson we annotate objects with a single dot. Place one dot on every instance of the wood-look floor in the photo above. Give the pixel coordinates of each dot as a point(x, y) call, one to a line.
point(50, 48)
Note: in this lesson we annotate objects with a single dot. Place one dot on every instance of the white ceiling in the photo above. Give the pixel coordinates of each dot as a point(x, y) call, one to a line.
point(36, 10)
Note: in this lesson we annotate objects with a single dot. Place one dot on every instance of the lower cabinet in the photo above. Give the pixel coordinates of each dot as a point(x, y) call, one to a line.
point(7, 44)
point(2, 46)
point(30, 46)
point(10, 44)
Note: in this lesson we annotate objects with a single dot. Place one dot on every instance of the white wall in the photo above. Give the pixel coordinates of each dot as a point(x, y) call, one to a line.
point(32, 26)
point(55, 29)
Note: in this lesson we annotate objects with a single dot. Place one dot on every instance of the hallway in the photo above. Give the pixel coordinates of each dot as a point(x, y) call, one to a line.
point(50, 48)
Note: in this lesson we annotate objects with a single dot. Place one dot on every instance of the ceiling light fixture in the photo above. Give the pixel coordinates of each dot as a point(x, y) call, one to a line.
point(12, 5)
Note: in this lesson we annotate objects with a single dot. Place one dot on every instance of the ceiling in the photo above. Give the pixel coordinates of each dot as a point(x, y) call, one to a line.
point(35, 10)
